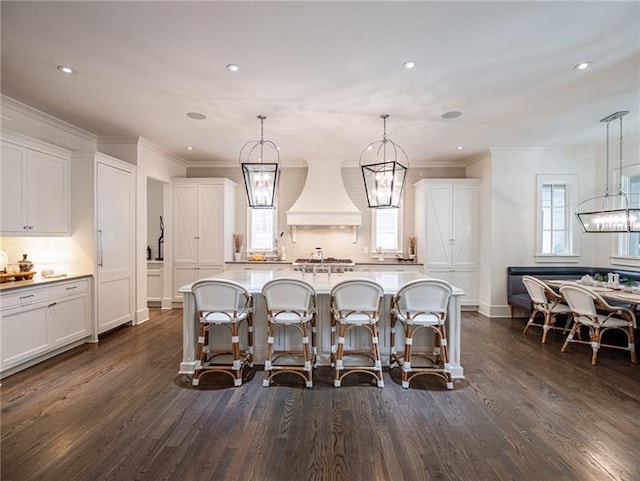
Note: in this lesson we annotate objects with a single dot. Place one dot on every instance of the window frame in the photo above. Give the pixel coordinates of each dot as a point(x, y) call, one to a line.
point(570, 182)
point(250, 235)
point(399, 230)
point(620, 243)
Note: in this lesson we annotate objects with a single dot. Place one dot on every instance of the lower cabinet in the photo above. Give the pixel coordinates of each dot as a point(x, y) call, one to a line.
point(39, 322)
point(186, 274)
point(465, 279)
point(389, 267)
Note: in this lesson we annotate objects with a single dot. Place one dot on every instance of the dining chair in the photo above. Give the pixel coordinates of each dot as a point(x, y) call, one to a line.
point(548, 303)
point(355, 306)
point(291, 303)
point(598, 316)
point(221, 302)
point(421, 304)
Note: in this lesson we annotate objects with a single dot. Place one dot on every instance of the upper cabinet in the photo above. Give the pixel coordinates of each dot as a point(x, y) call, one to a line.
point(34, 190)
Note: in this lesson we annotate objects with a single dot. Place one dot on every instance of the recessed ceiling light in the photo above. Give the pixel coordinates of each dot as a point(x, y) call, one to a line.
point(196, 116)
point(67, 70)
point(232, 67)
point(189, 148)
point(582, 65)
point(451, 115)
point(409, 64)
point(460, 147)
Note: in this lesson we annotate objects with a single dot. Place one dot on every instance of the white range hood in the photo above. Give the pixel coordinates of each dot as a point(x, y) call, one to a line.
point(324, 200)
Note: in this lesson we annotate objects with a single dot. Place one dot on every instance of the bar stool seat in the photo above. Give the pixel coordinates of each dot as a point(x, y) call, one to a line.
point(221, 302)
point(290, 303)
point(419, 304)
point(355, 303)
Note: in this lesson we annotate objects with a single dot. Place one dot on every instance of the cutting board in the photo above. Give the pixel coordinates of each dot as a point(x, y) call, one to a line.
point(17, 276)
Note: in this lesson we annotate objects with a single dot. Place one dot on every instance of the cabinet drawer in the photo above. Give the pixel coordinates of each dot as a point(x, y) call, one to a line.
point(70, 288)
point(24, 297)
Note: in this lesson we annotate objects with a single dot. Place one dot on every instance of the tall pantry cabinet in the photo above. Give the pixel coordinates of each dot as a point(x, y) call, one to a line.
point(446, 226)
point(204, 221)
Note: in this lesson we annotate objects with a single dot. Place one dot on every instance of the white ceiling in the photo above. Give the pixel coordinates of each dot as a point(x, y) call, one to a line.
point(323, 72)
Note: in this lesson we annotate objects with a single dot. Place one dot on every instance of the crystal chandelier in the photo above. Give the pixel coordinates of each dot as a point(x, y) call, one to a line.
point(384, 176)
point(260, 176)
point(609, 213)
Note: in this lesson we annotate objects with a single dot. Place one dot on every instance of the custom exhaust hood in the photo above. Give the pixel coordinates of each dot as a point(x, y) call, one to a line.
point(324, 200)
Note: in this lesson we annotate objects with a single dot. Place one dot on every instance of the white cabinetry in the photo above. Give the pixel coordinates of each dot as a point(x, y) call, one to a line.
point(204, 221)
point(389, 267)
point(446, 226)
point(34, 189)
point(39, 322)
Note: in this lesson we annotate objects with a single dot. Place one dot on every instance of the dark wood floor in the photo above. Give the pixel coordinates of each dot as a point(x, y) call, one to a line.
point(119, 411)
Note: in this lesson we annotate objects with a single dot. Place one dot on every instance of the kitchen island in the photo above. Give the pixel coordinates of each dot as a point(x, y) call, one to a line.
point(253, 280)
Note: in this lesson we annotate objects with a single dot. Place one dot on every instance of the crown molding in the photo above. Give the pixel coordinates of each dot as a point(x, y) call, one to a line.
point(7, 103)
point(148, 144)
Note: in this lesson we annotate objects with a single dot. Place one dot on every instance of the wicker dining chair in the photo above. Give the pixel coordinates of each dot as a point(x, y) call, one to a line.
point(549, 304)
point(598, 316)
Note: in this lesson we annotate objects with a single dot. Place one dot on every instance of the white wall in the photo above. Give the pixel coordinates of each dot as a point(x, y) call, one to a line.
point(336, 242)
point(509, 239)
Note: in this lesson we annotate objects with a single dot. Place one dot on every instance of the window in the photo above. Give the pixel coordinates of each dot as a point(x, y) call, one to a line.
point(629, 244)
point(386, 226)
point(555, 221)
point(261, 228)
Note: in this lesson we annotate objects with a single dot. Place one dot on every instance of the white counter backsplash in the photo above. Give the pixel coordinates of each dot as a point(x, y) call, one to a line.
point(58, 253)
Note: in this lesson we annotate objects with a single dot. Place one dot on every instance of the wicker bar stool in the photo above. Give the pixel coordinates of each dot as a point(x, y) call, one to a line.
point(422, 303)
point(221, 302)
point(356, 303)
point(290, 303)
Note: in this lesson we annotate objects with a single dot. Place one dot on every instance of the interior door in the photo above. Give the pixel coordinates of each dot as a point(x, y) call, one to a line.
point(115, 249)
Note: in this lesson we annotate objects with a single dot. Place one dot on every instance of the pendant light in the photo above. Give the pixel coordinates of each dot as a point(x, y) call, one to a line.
point(260, 176)
point(384, 176)
point(609, 213)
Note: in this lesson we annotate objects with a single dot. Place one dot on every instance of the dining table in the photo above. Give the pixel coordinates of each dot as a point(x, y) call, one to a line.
point(254, 280)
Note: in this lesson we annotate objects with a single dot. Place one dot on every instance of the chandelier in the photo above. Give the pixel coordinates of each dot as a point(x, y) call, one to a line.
point(260, 176)
point(609, 213)
point(384, 176)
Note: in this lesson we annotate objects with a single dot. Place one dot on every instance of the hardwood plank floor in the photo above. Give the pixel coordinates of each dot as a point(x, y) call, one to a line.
point(118, 410)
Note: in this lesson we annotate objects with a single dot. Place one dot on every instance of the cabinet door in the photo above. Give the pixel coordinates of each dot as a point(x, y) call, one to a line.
point(210, 224)
point(47, 193)
point(115, 280)
point(465, 279)
point(68, 319)
point(24, 334)
point(464, 227)
point(439, 234)
point(13, 172)
point(185, 215)
point(182, 275)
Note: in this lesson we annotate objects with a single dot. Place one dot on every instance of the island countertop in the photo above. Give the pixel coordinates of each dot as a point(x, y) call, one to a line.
point(253, 280)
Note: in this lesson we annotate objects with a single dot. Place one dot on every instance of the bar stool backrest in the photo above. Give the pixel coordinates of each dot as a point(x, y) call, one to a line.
point(424, 295)
point(289, 294)
point(221, 296)
point(358, 295)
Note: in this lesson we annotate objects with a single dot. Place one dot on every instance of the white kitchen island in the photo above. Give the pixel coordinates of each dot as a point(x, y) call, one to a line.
point(253, 280)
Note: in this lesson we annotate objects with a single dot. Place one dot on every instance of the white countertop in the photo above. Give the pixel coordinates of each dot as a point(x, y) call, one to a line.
point(253, 280)
point(39, 281)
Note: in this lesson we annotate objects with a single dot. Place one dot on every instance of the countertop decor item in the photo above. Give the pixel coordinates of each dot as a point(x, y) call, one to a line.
point(25, 264)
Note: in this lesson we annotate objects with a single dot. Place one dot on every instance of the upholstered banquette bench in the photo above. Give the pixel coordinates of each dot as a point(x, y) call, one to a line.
point(518, 298)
